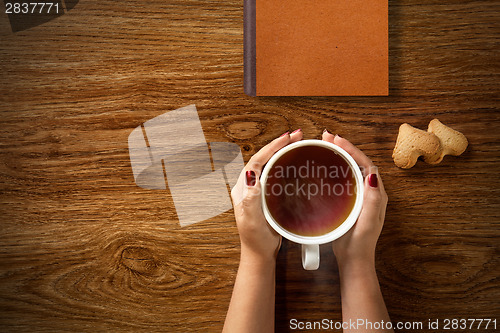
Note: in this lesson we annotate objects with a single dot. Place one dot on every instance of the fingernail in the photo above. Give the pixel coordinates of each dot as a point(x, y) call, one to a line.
point(282, 135)
point(338, 136)
point(325, 131)
point(296, 131)
point(250, 175)
point(373, 180)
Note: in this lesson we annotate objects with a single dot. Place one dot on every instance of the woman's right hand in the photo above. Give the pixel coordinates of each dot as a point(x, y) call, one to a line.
point(358, 244)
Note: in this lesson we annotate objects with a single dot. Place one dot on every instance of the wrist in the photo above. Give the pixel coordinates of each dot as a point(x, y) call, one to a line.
point(252, 258)
point(361, 265)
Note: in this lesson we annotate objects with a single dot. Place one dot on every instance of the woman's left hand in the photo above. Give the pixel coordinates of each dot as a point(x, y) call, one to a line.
point(258, 240)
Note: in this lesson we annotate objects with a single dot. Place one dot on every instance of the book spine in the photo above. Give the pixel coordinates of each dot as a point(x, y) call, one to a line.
point(249, 49)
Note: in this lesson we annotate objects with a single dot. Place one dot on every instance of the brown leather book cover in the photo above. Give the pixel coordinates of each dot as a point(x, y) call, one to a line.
point(316, 48)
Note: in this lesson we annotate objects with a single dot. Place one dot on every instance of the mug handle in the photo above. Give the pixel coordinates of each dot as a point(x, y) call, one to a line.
point(310, 256)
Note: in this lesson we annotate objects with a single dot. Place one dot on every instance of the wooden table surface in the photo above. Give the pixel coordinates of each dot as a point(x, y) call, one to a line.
point(83, 248)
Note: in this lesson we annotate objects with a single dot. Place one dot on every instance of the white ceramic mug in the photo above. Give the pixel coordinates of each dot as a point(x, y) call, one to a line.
point(310, 244)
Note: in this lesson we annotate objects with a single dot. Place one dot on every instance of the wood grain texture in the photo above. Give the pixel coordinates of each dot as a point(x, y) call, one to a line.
point(82, 248)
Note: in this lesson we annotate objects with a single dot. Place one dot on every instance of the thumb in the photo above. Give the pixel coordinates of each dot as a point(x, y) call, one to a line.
point(252, 196)
point(246, 194)
point(248, 184)
point(372, 201)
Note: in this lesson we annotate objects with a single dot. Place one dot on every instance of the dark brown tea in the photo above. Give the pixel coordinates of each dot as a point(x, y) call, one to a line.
point(310, 190)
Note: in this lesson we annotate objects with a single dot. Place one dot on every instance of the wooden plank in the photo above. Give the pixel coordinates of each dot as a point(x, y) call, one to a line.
point(83, 248)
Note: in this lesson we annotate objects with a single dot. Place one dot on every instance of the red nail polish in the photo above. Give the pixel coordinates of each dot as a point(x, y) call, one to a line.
point(296, 131)
point(373, 180)
point(250, 176)
point(282, 135)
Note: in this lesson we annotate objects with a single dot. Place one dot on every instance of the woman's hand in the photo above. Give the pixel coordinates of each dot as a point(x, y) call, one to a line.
point(258, 240)
point(252, 303)
point(355, 251)
point(358, 244)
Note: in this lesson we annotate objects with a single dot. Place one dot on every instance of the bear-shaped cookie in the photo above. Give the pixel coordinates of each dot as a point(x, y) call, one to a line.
point(433, 145)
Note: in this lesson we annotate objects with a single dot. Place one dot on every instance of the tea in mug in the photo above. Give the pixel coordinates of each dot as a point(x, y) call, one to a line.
point(310, 190)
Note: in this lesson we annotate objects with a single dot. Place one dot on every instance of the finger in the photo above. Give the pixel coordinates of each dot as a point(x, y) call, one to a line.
point(384, 198)
point(251, 207)
point(260, 158)
point(239, 190)
point(247, 188)
point(382, 211)
point(383, 194)
point(296, 135)
point(253, 197)
point(363, 161)
point(257, 161)
point(374, 170)
point(327, 136)
point(372, 205)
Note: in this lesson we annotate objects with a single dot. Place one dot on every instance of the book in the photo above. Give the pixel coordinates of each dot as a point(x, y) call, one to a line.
point(316, 48)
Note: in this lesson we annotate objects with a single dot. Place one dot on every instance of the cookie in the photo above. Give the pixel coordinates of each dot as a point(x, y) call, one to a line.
point(412, 143)
point(453, 142)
